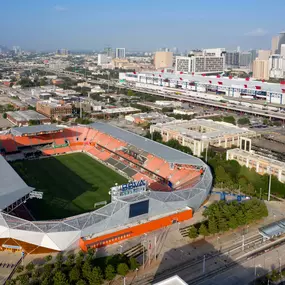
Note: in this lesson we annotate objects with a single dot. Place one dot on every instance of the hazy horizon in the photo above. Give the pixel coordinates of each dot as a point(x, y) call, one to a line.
point(140, 25)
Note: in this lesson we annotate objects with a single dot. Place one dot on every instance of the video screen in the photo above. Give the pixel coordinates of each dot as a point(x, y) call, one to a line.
point(139, 208)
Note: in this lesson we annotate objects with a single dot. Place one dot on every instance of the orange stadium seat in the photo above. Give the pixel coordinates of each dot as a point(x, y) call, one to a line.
point(48, 152)
point(8, 143)
point(59, 138)
point(22, 141)
point(44, 139)
point(62, 150)
point(153, 163)
point(165, 170)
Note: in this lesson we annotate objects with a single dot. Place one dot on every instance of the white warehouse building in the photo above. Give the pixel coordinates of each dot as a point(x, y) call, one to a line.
point(200, 134)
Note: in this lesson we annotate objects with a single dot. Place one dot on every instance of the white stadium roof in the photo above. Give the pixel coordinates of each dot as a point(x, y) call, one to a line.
point(12, 186)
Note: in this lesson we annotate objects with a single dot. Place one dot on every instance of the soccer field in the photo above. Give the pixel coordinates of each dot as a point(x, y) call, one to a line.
point(71, 184)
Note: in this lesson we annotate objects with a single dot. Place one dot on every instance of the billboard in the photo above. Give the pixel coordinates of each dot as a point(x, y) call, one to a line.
point(130, 188)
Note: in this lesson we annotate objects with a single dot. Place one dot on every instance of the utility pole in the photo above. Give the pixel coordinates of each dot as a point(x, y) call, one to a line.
point(204, 264)
point(242, 242)
point(80, 106)
point(260, 194)
point(206, 158)
point(269, 184)
point(155, 248)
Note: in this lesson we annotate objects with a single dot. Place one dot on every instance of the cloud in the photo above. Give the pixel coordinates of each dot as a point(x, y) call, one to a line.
point(259, 32)
point(59, 8)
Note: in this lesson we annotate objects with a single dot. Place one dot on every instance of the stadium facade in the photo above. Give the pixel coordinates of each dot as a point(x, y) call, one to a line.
point(178, 184)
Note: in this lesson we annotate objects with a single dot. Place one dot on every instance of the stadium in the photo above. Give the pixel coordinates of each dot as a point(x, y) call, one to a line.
point(91, 186)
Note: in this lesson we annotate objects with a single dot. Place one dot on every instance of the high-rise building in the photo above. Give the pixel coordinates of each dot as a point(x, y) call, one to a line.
point(163, 59)
point(120, 53)
point(264, 54)
point(276, 65)
point(232, 58)
point(282, 51)
point(261, 69)
point(108, 51)
point(16, 49)
point(274, 45)
point(245, 59)
point(200, 64)
point(253, 53)
point(281, 41)
point(62, 52)
point(104, 59)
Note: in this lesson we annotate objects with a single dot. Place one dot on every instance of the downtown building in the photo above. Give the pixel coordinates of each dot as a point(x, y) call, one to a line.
point(200, 62)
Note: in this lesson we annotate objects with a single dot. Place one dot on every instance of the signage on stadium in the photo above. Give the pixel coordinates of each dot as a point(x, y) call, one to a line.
point(130, 188)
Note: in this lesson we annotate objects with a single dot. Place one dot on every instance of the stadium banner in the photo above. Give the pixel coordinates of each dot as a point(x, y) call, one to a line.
point(130, 188)
point(60, 145)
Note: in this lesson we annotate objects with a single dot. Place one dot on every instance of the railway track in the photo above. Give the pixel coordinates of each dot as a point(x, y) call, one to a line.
point(226, 252)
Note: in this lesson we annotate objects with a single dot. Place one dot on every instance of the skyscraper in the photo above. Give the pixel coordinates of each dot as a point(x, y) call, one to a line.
point(264, 54)
point(245, 59)
point(120, 53)
point(274, 44)
point(281, 41)
point(261, 69)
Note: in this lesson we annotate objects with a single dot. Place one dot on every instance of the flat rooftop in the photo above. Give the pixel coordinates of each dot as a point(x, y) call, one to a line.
point(120, 110)
point(12, 186)
point(174, 280)
point(20, 131)
point(234, 82)
point(202, 129)
point(260, 158)
point(27, 115)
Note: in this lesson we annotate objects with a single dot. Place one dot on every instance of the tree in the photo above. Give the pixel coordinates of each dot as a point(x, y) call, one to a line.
point(212, 226)
point(192, 233)
point(133, 263)
point(110, 272)
point(24, 279)
point(203, 231)
point(81, 282)
point(4, 116)
point(123, 269)
point(20, 268)
point(48, 258)
point(96, 276)
point(131, 93)
point(60, 279)
point(74, 274)
point(244, 121)
point(30, 266)
point(86, 269)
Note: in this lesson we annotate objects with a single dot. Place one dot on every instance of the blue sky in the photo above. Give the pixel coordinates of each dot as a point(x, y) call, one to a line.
point(140, 24)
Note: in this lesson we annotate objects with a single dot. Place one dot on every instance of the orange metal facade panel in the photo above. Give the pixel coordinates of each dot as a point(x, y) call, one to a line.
point(134, 231)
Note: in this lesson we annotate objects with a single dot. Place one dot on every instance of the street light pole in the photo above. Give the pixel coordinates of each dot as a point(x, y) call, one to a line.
point(204, 264)
point(269, 185)
point(242, 242)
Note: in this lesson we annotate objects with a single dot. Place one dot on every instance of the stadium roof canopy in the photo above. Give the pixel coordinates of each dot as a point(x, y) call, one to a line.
point(174, 280)
point(273, 230)
point(12, 186)
point(20, 131)
point(167, 153)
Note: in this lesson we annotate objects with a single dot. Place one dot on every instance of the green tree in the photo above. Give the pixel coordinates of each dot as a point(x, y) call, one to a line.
point(230, 119)
point(4, 116)
point(86, 269)
point(131, 93)
point(48, 258)
point(203, 231)
point(60, 279)
point(30, 266)
point(74, 274)
point(192, 233)
point(96, 276)
point(122, 269)
point(110, 272)
point(24, 279)
point(81, 282)
point(212, 226)
point(133, 263)
point(20, 268)
point(233, 223)
point(244, 121)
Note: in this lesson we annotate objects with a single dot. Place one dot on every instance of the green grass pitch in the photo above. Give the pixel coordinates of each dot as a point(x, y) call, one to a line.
point(71, 184)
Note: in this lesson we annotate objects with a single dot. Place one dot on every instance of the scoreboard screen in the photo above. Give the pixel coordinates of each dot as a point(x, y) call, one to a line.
point(139, 208)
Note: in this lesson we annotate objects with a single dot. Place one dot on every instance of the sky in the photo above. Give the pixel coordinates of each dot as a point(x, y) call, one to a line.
point(140, 24)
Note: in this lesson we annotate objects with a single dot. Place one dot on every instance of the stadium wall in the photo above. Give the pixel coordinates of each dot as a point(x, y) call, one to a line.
point(134, 231)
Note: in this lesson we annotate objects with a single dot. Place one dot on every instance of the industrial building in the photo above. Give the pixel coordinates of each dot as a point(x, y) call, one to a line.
point(200, 134)
point(23, 118)
point(151, 117)
point(260, 163)
point(54, 110)
point(189, 84)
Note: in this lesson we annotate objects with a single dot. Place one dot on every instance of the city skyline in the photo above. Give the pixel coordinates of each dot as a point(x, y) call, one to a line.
point(148, 25)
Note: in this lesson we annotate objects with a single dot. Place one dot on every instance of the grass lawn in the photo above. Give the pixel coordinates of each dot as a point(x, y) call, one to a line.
point(71, 184)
